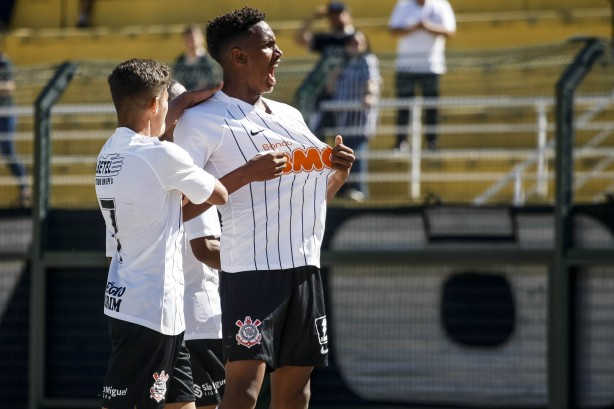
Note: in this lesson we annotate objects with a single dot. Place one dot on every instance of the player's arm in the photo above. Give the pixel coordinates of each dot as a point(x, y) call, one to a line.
point(260, 168)
point(343, 158)
point(207, 251)
point(219, 196)
point(186, 100)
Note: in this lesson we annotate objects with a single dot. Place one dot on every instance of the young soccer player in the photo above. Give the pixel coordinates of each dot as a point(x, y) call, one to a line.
point(139, 183)
point(203, 335)
point(273, 315)
point(201, 260)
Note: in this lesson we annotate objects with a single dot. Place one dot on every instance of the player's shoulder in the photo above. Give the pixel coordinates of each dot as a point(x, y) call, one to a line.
point(159, 152)
point(281, 107)
point(212, 108)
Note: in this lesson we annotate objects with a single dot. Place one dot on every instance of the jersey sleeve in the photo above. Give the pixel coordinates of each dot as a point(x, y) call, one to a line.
point(205, 225)
point(177, 171)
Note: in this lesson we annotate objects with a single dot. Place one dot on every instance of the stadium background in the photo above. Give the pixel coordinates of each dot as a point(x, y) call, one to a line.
point(463, 282)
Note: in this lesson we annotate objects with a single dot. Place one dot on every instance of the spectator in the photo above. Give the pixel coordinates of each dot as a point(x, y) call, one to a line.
point(85, 13)
point(358, 81)
point(8, 124)
point(330, 46)
point(422, 27)
point(6, 12)
point(273, 313)
point(195, 69)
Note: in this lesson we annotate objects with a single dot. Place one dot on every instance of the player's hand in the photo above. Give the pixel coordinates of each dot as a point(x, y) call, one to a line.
point(343, 158)
point(197, 96)
point(266, 165)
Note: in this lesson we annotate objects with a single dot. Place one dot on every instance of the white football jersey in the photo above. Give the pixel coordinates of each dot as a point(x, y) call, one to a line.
point(203, 313)
point(139, 181)
point(277, 224)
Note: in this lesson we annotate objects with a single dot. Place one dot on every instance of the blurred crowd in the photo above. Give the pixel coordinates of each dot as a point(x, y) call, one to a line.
point(347, 73)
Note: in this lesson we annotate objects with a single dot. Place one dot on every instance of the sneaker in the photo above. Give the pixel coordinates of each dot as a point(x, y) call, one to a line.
point(25, 199)
point(401, 149)
point(354, 195)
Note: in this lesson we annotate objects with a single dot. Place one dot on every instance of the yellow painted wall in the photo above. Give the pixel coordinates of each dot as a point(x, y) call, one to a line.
point(125, 29)
point(118, 13)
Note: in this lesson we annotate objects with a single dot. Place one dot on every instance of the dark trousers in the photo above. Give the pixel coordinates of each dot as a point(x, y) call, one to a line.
point(7, 148)
point(406, 86)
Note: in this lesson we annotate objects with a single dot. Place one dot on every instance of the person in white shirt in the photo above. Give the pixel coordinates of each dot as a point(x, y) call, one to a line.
point(201, 360)
point(139, 183)
point(422, 27)
point(273, 315)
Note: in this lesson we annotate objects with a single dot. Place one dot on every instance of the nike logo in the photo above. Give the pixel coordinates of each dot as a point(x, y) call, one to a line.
point(324, 350)
point(254, 133)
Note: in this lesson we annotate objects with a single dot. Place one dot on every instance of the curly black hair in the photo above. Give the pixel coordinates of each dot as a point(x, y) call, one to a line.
point(224, 29)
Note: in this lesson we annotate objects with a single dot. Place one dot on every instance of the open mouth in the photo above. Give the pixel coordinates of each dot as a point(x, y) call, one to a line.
point(271, 75)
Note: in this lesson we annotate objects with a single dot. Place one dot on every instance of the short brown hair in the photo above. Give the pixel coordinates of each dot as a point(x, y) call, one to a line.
point(134, 83)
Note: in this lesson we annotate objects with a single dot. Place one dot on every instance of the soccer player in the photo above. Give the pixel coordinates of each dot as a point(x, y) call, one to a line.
point(201, 260)
point(139, 182)
point(273, 315)
point(203, 335)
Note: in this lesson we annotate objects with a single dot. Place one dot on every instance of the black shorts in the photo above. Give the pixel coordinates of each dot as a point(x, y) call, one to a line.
point(276, 316)
point(206, 356)
point(141, 365)
point(181, 386)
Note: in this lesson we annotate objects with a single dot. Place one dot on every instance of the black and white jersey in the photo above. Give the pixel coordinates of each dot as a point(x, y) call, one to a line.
point(139, 181)
point(203, 313)
point(276, 224)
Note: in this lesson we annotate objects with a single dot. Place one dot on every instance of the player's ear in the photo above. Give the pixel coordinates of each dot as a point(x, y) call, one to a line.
point(154, 105)
point(237, 55)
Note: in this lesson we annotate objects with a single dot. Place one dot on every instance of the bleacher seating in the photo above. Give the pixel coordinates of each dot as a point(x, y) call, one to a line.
point(42, 34)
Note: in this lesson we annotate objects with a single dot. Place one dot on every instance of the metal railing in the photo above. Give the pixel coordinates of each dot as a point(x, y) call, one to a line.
point(537, 155)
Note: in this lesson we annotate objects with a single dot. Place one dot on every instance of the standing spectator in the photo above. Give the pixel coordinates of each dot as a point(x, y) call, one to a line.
point(195, 69)
point(330, 46)
point(273, 313)
point(84, 18)
point(8, 125)
point(359, 80)
point(422, 27)
point(6, 12)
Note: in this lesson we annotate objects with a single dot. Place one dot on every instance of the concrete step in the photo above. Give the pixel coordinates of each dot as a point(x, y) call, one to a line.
point(43, 32)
